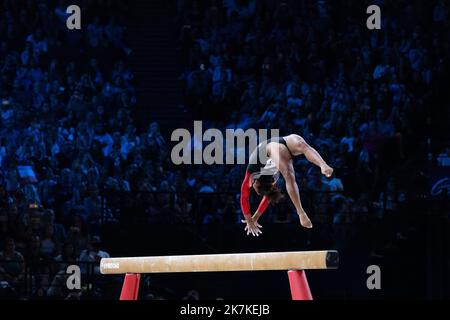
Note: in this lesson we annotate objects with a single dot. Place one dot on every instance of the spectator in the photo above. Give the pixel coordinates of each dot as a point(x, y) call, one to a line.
point(93, 254)
point(48, 243)
point(12, 266)
point(444, 157)
point(66, 257)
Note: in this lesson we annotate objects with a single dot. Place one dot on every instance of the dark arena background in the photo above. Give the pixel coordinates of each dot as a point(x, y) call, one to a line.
point(86, 161)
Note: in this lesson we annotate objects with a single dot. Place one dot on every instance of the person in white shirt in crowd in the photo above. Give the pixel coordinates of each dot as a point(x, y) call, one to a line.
point(92, 254)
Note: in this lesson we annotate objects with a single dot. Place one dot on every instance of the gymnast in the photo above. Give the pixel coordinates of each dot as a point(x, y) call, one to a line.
point(279, 152)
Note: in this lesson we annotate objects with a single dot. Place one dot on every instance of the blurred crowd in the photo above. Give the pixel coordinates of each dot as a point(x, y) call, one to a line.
point(361, 97)
point(65, 106)
point(69, 145)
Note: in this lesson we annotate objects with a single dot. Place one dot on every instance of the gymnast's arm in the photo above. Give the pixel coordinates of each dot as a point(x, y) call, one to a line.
point(245, 195)
point(252, 226)
point(261, 208)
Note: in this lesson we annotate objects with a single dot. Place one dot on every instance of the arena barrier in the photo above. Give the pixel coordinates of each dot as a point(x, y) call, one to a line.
point(294, 262)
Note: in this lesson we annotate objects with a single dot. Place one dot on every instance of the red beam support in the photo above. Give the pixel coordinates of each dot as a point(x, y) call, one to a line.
point(299, 285)
point(130, 288)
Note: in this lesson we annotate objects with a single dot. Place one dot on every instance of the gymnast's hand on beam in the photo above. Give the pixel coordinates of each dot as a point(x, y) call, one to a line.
point(252, 226)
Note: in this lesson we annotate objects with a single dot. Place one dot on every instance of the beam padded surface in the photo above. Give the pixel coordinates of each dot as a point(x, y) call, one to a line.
point(297, 260)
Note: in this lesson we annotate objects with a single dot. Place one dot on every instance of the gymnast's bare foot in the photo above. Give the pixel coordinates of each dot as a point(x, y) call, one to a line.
point(304, 220)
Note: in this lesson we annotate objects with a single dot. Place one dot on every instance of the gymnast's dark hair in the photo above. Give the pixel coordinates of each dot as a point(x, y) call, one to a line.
point(267, 188)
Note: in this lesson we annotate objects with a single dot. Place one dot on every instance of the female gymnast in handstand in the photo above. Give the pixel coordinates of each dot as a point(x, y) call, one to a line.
point(279, 152)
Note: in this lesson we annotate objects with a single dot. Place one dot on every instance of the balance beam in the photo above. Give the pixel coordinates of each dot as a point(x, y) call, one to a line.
point(297, 260)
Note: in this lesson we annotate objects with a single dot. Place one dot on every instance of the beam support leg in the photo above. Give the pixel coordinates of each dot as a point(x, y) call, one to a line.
point(130, 287)
point(299, 285)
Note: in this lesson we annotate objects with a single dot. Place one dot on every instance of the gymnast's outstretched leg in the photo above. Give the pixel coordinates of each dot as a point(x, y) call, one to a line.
point(298, 146)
